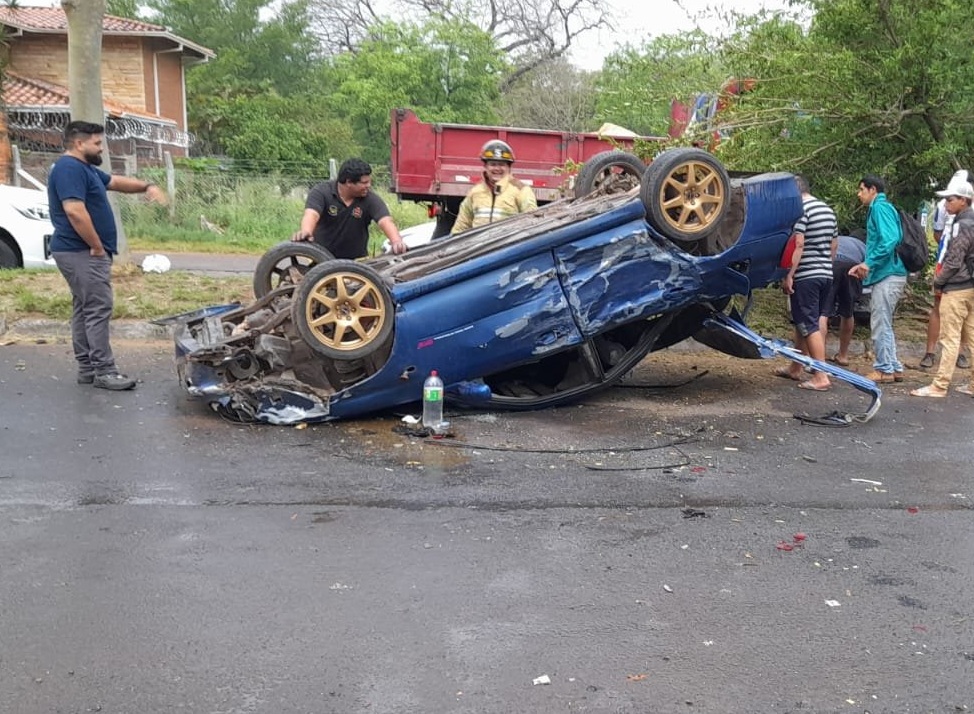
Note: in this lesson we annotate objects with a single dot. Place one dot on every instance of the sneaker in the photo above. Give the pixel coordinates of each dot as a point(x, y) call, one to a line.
point(928, 358)
point(963, 362)
point(86, 377)
point(115, 382)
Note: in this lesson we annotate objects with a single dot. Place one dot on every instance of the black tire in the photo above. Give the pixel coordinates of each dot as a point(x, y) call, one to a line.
point(343, 310)
point(8, 256)
point(686, 194)
point(609, 172)
point(285, 264)
point(445, 219)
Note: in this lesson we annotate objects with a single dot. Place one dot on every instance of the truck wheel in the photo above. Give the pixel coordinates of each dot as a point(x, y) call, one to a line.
point(686, 193)
point(444, 224)
point(343, 310)
point(285, 264)
point(609, 172)
point(446, 218)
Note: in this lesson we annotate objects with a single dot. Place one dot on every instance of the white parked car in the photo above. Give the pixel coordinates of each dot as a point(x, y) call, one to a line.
point(25, 228)
point(414, 236)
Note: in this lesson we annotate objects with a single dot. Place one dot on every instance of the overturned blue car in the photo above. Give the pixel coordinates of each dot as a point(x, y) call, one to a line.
point(537, 310)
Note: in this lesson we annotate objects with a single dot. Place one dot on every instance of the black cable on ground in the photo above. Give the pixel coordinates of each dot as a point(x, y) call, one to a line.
point(598, 450)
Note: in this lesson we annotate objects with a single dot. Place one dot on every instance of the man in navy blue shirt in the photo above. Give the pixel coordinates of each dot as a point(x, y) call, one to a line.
point(85, 239)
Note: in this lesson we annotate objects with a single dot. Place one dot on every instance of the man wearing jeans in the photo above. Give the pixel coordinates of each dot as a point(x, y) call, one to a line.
point(83, 245)
point(885, 272)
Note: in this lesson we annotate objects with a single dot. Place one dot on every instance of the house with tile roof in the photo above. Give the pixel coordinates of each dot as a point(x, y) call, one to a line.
point(143, 82)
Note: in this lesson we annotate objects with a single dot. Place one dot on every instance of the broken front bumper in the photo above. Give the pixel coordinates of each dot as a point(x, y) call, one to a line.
point(767, 348)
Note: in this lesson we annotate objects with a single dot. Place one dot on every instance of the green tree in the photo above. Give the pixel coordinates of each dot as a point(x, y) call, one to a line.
point(638, 84)
point(122, 8)
point(446, 72)
point(259, 43)
point(530, 34)
point(871, 86)
point(842, 88)
point(260, 96)
point(556, 95)
point(294, 135)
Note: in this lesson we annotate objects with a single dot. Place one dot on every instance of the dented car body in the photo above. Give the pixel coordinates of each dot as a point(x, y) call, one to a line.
point(537, 310)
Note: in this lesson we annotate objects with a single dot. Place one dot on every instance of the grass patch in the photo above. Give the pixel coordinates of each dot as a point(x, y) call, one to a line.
point(45, 294)
point(253, 215)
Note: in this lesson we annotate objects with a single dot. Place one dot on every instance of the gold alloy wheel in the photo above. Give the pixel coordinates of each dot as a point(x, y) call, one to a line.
point(692, 197)
point(345, 311)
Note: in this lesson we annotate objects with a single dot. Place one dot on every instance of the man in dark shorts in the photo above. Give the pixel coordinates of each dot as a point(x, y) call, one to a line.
point(809, 283)
point(846, 290)
point(337, 214)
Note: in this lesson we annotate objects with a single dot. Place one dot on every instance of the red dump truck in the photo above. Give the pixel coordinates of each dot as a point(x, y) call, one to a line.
point(437, 164)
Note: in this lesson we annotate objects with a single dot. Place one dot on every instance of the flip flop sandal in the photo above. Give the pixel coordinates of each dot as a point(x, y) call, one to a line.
point(928, 391)
point(813, 387)
point(841, 362)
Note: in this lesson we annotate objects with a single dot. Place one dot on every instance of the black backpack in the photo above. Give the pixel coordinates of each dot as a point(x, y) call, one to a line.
point(913, 248)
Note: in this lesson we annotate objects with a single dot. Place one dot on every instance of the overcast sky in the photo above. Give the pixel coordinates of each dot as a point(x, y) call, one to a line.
point(637, 20)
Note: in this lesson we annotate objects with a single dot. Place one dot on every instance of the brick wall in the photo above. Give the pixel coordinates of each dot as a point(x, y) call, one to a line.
point(45, 57)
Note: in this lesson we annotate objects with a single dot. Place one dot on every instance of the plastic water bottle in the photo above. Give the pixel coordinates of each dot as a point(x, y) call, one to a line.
point(432, 401)
point(923, 216)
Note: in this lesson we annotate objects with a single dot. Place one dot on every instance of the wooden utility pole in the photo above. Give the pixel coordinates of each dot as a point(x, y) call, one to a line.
point(85, 28)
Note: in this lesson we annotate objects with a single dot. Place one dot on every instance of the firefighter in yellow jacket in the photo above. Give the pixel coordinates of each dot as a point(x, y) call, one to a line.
point(499, 195)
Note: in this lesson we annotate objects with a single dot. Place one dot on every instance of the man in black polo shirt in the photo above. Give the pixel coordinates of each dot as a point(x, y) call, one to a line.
point(337, 214)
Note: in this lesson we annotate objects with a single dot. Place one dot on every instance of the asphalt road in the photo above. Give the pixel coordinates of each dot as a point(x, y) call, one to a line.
point(154, 558)
point(208, 263)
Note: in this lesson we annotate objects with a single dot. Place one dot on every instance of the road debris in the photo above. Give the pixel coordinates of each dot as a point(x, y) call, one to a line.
point(797, 541)
point(543, 679)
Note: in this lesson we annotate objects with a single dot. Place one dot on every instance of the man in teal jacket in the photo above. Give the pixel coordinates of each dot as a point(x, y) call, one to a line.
point(885, 272)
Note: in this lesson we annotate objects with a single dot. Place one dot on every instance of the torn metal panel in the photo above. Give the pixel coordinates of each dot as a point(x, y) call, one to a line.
point(768, 348)
point(628, 278)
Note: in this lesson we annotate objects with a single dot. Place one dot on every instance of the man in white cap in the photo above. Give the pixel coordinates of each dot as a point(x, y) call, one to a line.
point(942, 222)
point(955, 281)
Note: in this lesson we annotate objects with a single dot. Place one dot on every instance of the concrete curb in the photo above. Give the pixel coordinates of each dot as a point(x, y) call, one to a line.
point(57, 330)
